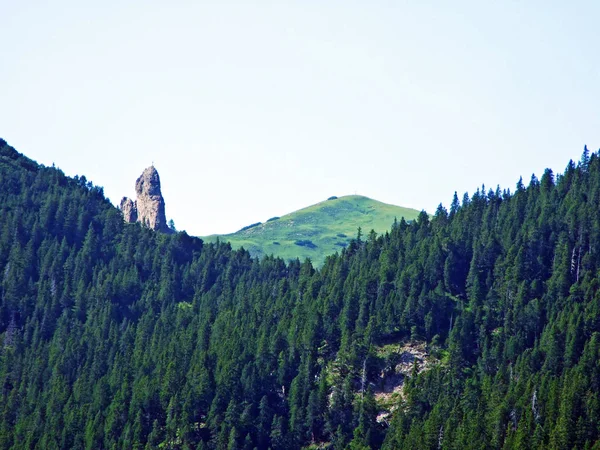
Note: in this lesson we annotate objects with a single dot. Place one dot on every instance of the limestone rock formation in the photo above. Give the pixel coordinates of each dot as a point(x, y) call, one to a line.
point(149, 207)
point(150, 203)
point(129, 210)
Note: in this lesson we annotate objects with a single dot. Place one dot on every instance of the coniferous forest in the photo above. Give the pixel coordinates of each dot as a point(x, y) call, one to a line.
point(113, 336)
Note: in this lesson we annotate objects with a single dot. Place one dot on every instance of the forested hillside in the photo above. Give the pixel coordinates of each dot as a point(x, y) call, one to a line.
point(116, 337)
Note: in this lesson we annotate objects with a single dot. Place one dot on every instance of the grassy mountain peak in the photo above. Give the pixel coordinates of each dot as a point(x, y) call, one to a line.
point(317, 230)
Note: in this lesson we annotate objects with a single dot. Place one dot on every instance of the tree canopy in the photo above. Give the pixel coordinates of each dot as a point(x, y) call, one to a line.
point(116, 337)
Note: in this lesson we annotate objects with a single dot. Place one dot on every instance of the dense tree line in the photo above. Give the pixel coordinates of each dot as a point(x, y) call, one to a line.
point(115, 337)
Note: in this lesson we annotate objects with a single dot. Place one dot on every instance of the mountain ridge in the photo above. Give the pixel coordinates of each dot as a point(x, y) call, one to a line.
point(476, 327)
point(316, 230)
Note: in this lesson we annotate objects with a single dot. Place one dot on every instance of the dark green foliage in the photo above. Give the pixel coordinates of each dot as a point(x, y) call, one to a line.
point(305, 243)
point(116, 337)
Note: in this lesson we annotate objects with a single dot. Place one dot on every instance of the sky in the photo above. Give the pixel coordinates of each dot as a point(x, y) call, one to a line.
point(251, 110)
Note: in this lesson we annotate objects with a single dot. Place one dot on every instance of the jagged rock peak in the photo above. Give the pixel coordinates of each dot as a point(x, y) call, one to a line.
point(149, 207)
point(150, 203)
point(148, 183)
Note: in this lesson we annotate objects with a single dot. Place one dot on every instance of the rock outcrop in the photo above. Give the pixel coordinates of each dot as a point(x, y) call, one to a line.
point(149, 207)
point(150, 203)
point(129, 210)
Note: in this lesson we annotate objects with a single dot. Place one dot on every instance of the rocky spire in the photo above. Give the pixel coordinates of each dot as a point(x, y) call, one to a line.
point(149, 207)
point(129, 210)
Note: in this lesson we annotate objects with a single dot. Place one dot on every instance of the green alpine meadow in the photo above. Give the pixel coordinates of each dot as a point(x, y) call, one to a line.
point(318, 230)
point(475, 327)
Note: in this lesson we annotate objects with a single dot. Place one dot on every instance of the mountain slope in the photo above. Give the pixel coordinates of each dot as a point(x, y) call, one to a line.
point(478, 327)
point(318, 230)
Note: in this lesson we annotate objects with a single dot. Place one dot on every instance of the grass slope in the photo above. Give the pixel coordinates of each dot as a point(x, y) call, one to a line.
point(318, 230)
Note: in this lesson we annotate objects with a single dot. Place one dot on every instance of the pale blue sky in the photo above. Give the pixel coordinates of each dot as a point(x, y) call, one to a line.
point(253, 109)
